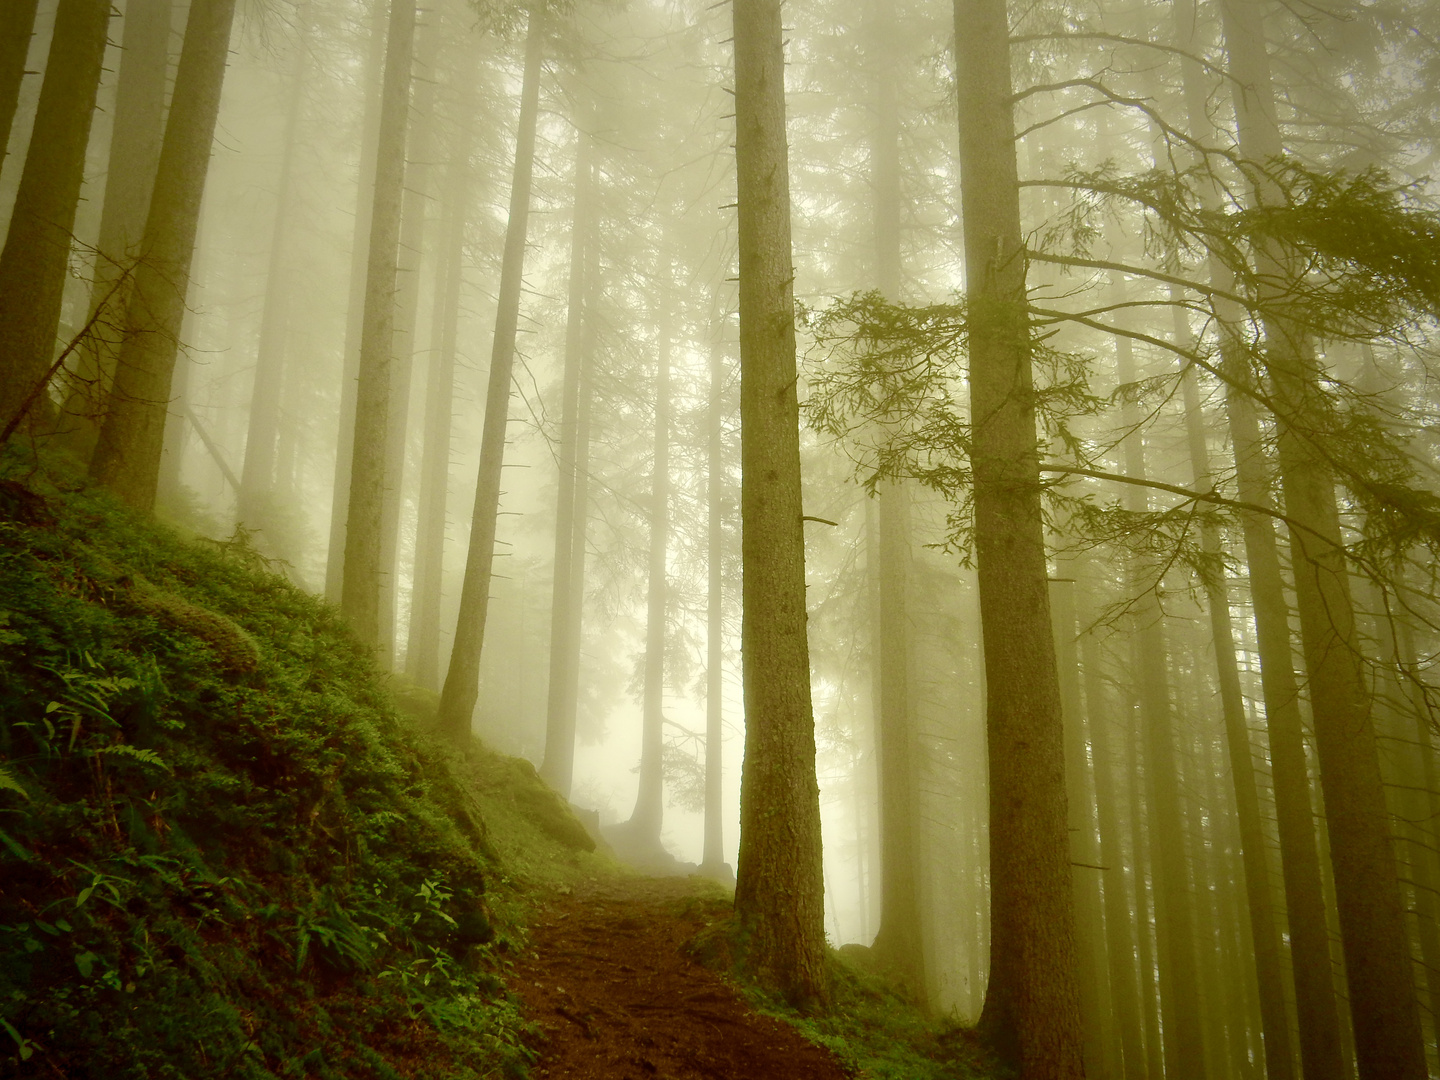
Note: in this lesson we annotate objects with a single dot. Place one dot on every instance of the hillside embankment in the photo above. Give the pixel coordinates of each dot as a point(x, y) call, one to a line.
point(225, 851)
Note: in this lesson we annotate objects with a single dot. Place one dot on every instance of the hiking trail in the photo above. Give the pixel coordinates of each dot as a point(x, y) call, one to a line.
point(608, 980)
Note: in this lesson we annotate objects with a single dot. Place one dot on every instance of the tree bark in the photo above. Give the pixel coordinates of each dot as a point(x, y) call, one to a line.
point(127, 455)
point(1032, 1007)
point(462, 680)
point(360, 585)
point(779, 892)
point(559, 763)
point(34, 262)
point(1383, 1006)
point(17, 26)
point(135, 141)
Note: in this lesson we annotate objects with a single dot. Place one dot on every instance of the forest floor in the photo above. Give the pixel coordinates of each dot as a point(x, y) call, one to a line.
point(611, 981)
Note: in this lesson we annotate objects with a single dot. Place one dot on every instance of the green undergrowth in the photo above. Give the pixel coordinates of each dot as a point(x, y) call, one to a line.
point(223, 851)
point(875, 1032)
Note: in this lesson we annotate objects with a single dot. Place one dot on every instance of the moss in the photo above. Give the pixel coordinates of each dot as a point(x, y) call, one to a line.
point(224, 850)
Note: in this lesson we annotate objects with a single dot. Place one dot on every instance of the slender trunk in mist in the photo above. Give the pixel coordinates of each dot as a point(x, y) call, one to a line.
point(1119, 915)
point(360, 586)
point(355, 305)
point(646, 818)
point(422, 649)
point(1145, 924)
point(257, 477)
point(1180, 1006)
point(1383, 1006)
point(177, 420)
point(713, 860)
point(414, 217)
point(127, 455)
point(35, 261)
point(462, 680)
point(559, 764)
point(1095, 1008)
point(1264, 933)
point(1032, 1004)
point(898, 943)
point(1319, 1026)
point(17, 26)
point(779, 891)
point(135, 141)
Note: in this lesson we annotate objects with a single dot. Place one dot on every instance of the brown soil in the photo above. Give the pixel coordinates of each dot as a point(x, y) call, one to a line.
point(609, 982)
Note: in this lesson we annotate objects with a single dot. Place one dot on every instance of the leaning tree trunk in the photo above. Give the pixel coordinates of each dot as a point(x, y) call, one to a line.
point(462, 680)
point(129, 180)
point(559, 763)
point(779, 891)
point(422, 649)
point(127, 456)
point(35, 261)
point(360, 584)
point(1384, 1011)
point(1032, 1007)
point(17, 26)
point(646, 818)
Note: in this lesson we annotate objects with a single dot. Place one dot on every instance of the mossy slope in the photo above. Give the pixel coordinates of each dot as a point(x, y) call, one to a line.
point(222, 853)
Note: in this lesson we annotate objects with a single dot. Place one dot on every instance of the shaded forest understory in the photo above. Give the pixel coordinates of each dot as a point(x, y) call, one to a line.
point(226, 853)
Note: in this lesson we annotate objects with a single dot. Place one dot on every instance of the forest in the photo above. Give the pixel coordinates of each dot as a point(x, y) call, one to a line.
point(926, 515)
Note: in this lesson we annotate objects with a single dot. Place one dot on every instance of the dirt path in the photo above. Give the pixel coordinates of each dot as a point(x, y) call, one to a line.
point(616, 997)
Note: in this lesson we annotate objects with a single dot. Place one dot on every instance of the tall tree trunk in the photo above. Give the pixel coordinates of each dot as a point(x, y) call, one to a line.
point(1145, 925)
point(1032, 1004)
point(899, 943)
point(360, 586)
point(559, 763)
point(35, 259)
point(462, 680)
point(1095, 1007)
point(1180, 1005)
point(17, 26)
point(414, 217)
point(422, 649)
point(646, 818)
point(355, 305)
point(127, 455)
point(1119, 915)
point(713, 860)
point(1264, 934)
point(135, 141)
point(1383, 1006)
point(257, 477)
point(1319, 1025)
point(779, 891)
